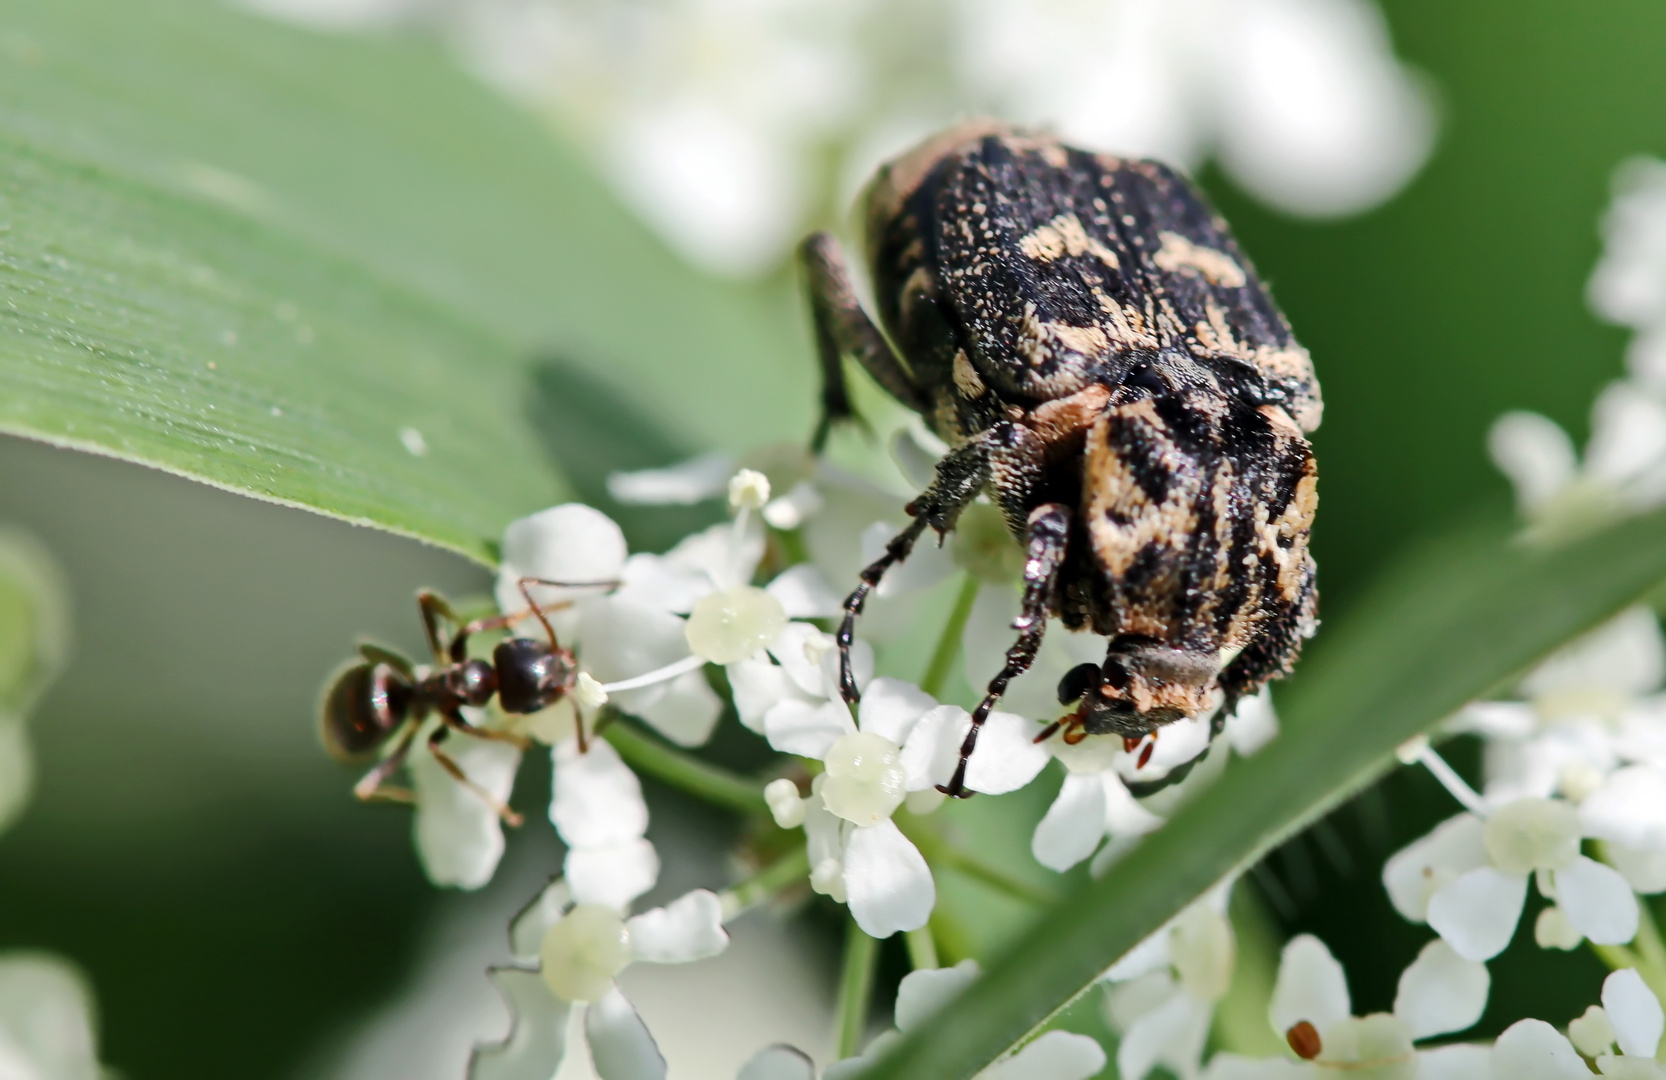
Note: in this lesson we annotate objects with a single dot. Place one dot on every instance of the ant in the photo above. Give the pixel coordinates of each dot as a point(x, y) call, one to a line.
point(384, 697)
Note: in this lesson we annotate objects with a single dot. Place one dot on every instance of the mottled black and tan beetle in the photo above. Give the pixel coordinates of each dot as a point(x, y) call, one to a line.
point(1085, 334)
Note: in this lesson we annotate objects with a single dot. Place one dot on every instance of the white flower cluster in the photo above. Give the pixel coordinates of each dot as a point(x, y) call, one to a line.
point(715, 118)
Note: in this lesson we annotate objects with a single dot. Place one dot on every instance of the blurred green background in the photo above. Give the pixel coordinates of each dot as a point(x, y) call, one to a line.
point(195, 852)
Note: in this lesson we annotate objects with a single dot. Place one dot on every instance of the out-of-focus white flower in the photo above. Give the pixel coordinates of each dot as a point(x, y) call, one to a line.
point(902, 745)
point(569, 1002)
point(1630, 1016)
point(34, 623)
point(714, 119)
point(48, 1025)
point(597, 808)
point(1468, 880)
point(1055, 1055)
point(458, 834)
point(1439, 993)
point(1163, 993)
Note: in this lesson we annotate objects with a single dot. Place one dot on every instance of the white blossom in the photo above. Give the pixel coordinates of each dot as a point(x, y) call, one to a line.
point(1439, 993)
point(597, 808)
point(48, 1027)
point(458, 834)
point(1629, 1019)
point(562, 992)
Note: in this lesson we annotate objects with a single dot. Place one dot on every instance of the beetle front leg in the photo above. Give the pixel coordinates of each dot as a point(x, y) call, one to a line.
point(960, 476)
point(1046, 536)
point(843, 329)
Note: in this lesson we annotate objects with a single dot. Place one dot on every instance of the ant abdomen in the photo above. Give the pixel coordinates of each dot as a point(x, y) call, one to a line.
point(364, 705)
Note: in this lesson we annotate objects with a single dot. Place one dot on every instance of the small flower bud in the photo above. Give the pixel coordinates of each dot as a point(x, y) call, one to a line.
point(1553, 930)
point(1532, 834)
point(588, 692)
point(784, 804)
point(1592, 1034)
point(734, 624)
point(748, 489)
point(584, 951)
point(1579, 781)
point(828, 878)
point(865, 778)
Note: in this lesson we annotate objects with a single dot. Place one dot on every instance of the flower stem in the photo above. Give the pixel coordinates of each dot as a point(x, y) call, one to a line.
point(855, 988)
point(940, 851)
point(922, 949)
point(1647, 953)
point(684, 771)
point(785, 872)
point(942, 657)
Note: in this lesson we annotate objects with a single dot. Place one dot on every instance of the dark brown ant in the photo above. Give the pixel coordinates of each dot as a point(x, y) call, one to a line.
point(383, 697)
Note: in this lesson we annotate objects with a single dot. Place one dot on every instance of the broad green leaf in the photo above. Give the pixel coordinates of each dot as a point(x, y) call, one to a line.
point(393, 245)
point(1444, 631)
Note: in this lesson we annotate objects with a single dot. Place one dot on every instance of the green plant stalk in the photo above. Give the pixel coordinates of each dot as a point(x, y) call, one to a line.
point(685, 772)
point(922, 949)
point(1442, 629)
point(1646, 953)
point(948, 643)
point(942, 853)
point(855, 988)
point(789, 870)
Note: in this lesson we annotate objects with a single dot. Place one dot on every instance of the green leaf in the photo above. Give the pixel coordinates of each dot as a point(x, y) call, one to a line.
point(1440, 633)
point(357, 233)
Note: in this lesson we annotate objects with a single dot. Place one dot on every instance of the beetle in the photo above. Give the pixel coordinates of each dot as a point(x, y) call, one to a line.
point(1084, 333)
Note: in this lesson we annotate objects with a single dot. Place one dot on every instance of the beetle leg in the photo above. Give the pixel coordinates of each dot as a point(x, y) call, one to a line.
point(1045, 534)
point(842, 328)
point(962, 472)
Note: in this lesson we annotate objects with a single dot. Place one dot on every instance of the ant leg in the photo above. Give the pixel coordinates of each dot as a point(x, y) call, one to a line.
point(1045, 537)
point(456, 721)
point(370, 788)
point(434, 608)
point(960, 475)
point(373, 653)
point(449, 764)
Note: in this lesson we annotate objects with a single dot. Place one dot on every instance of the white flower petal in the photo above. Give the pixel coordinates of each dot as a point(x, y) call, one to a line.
point(620, 1046)
point(683, 484)
point(1007, 757)
point(1310, 986)
point(1420, 869)
point(1635, 1013)
point(48, 1020)
point(922, 993)
point(1628, 433)
point(689, 928)
point(757, 686)
point(537, 1039)
point(1074, 824)
point(458, 837)
point(596, 798)
point(714, 553)
point(1598, 901)
point(804, 593)
point(824, 831)
point(655, 582)
point(778, 1063)
point(526, 932)
point(927, 565)
point(1460, 1061)
point(1629, 808)
point(887, 881)
point(933, 746)
point(1645, 871)
point(1124, 816)
point(1477, 913)
point(622, 638)
point(798, 727)
point(1235, 1067)
point(686, 712)
point(1253, 724)
point(1172, 1034)
point(613, 875)
point(1536, 455)
point(570, 542)
point(1441, 992)
point(890, 708)
point(1178, 742)
point(801, 502)
point(1055, 1055)
point(1151, 954)
point(1533, 1050)
point(1625, 655)
point(800, 648)
point(1495, 720)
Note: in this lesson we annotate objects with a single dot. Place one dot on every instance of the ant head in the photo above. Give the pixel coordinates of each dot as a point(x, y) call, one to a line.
point(1141, 686)
point(363, 706)
point(531, 675)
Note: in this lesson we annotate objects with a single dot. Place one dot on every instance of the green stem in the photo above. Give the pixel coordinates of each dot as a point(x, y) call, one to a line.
point(942, 657)
point(855, 988)
point(939, 851)
point(685, 772)
point(922, 949)
point(1647, 952)
point(783, 873)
